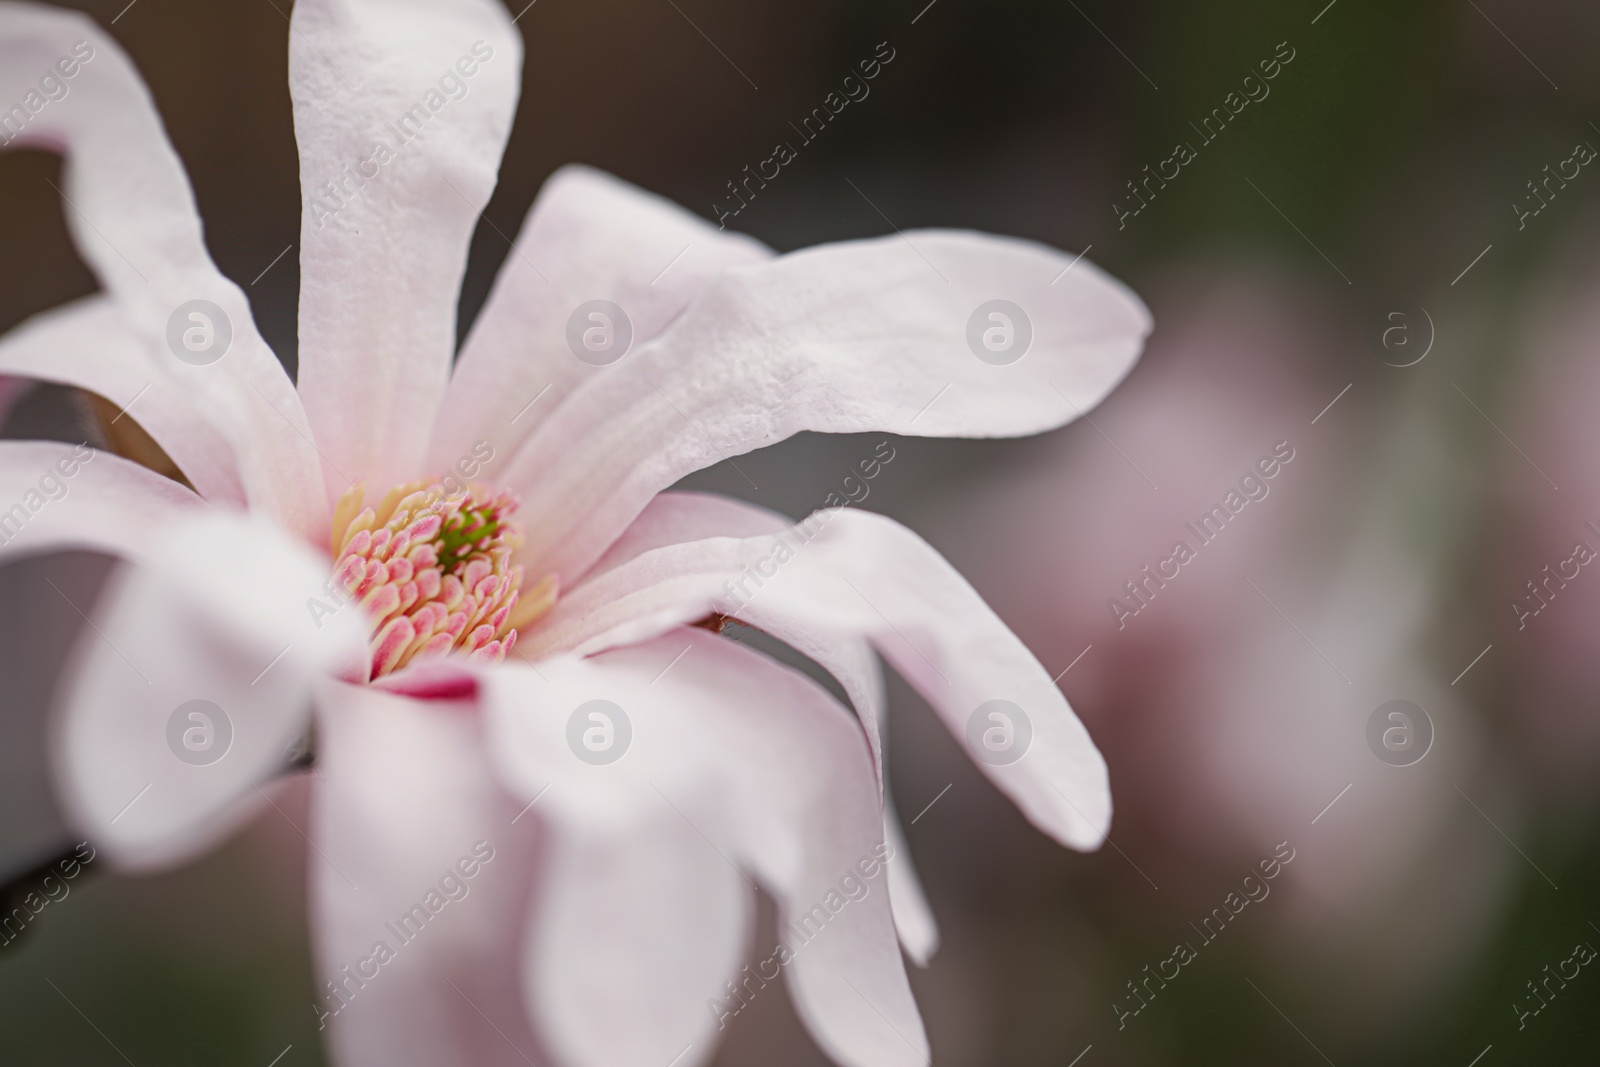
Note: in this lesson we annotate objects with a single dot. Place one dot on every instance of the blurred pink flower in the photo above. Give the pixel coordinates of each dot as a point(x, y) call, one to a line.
point(1234, 704)
point(1224, 388)
point(530, 460)
point(1545, 584)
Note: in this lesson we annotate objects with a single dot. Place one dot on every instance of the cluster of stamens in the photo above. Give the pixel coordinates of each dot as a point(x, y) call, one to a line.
point(432, 569)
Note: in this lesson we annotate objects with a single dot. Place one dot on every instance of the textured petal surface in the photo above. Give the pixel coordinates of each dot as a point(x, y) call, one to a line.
point(191, 684)
point(641, 914)
point(132, 215)
point(588, 237)
point(405, 815)
point(857, 573)
point(89, 344)
point(55, 497)
point(399, 147)
point(865, 335)
point(770, 773)
point(678, 517)
point(675, 518)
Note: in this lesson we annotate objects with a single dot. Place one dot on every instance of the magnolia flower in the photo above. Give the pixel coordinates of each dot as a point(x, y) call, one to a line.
point(545, 796)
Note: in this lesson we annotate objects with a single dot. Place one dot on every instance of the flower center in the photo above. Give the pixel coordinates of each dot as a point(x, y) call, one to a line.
point(431, 566)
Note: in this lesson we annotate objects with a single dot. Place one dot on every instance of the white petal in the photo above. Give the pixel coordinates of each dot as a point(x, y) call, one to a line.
point(89, 344)
point(677, 517)
point(399, 147)
point(588, 237)
point(218, 614)
point(55, 497)
point(132, 215)
point(867, 335)
point(853, 572)
point(402, 797)
point(772, 775)
point(913, 915)
point(635, 931)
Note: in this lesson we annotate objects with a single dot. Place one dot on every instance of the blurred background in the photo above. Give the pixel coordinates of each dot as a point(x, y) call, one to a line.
point(1368, 268)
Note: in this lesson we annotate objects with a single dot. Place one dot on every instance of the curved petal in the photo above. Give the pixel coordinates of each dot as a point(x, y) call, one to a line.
point(55, 497)
point(674, 518)
point(401, 110)
point(853, 572)
point(865, 335)
point(643, 915)
point(191, 685)
point(406, 817)
point(589, 236)
point(768, 771)
point(913, 915)
point(89, 344)
point(132, 215)
point(850, 660)
point(679, 516)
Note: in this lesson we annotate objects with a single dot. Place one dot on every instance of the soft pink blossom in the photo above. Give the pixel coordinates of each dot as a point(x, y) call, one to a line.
point(609, 903)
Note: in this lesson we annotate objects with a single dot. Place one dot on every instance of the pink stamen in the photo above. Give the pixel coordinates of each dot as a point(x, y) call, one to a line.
point(433, 571)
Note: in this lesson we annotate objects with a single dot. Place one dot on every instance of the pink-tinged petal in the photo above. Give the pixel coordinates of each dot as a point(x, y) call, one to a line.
point(678, 516)
point(770, 774)
point(55, 497)
point(431, 680)
point(642, 916)
point(866, 335)
point(674, 518)
point(89, 344)
point(404, 806)
point(851, 661)
point(588, 237)
point(191, 685)
point(132, 214)
point(913, 915)
point(399, 148)
point(852, 572)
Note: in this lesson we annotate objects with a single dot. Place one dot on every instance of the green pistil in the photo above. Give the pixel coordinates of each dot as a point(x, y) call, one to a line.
point(466, 531)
